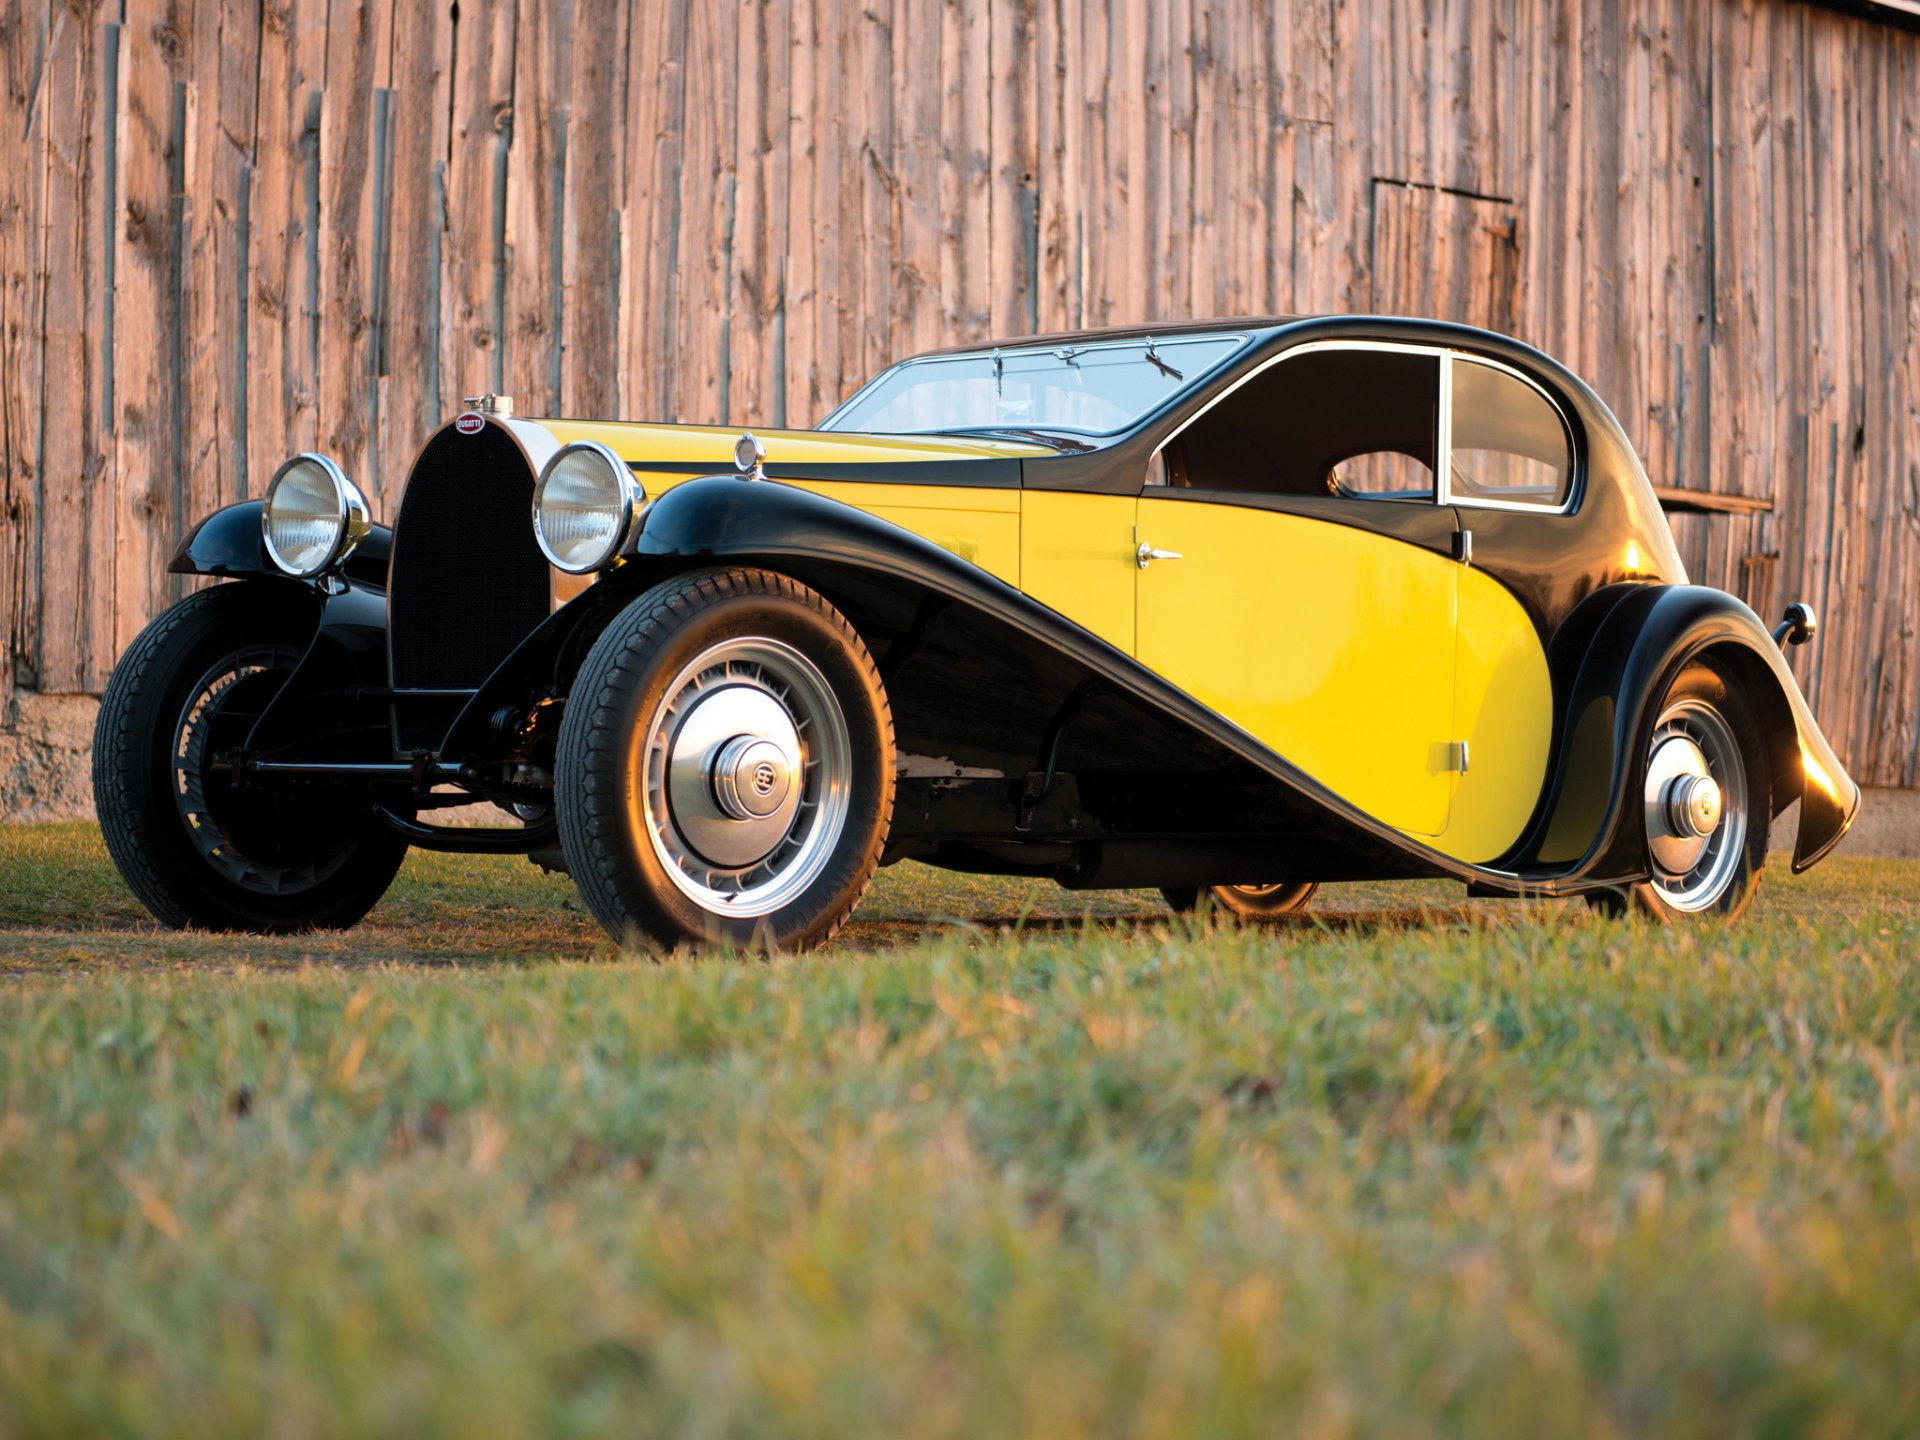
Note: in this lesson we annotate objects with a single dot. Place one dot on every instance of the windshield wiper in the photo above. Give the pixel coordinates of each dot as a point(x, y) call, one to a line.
point(1065, 444)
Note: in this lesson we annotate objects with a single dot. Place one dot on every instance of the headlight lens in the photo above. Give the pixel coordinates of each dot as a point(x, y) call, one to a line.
point(314, 516)
point(583, 507)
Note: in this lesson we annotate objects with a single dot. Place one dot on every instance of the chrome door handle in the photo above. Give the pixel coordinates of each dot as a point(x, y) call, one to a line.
point(1146, 555)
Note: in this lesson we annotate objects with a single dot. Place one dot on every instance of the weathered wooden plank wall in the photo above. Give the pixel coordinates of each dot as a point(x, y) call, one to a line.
point(234, 228)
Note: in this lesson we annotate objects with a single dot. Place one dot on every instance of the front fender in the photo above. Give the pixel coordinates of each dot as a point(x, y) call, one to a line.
point(1592, 828)
point(230, 543)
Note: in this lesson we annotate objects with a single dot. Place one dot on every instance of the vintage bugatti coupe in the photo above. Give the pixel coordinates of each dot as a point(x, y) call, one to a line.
point(1229, 609)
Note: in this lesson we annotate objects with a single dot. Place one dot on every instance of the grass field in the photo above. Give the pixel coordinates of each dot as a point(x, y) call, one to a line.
point(994, 1165)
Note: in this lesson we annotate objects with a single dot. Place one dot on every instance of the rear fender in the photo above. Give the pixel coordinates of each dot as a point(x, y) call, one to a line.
point(1592, 829)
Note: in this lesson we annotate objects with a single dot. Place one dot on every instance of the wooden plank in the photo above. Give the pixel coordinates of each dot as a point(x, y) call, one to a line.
point(536, 176)
point(705, 239)
point(359, 40)
point(23, 48)
point(756, 276)
point(78, 519)
point(656, 98)
point(595, 205)
point(148, 327)
point(283, 340)
point(1013, 240)
point(964, 196)
point(223, 87)
point(1674, 500)
point(413, 398)
point(803, 399)
point(473, 282)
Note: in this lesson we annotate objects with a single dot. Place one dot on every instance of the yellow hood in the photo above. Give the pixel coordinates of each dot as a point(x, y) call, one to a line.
point(708, 449)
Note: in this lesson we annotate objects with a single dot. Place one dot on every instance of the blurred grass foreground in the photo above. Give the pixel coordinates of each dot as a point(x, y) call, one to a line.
point(1005, 1161)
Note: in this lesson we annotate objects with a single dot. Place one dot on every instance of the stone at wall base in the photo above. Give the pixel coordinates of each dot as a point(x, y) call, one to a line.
point(46, 744)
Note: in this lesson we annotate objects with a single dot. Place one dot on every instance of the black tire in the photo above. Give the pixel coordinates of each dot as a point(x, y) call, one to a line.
point(255, 860)
point(1244, 902)
point(1704, 692)
point(634, 716)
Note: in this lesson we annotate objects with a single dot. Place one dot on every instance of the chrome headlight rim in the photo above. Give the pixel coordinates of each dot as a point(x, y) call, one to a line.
point(630, 497)
point(352, 517)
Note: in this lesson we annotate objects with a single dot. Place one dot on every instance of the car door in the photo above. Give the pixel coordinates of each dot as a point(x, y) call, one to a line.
point(1298, 575)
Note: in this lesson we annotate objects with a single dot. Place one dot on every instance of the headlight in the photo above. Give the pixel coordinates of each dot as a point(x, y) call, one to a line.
point(314, 516)
point(583, 507)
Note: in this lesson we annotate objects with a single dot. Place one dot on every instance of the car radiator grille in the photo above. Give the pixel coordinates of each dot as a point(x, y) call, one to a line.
point(467, 579)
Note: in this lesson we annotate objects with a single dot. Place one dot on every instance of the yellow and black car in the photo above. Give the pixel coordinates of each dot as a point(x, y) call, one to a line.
point(1229, 609)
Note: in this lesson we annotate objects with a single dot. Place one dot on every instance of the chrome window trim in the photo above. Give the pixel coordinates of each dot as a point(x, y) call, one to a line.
point(1566, 504)
point(1443, 355)
point(1385, 347)
point(1243, 337)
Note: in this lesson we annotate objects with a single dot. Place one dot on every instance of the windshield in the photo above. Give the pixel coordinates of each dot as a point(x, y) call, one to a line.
point(1094, 389)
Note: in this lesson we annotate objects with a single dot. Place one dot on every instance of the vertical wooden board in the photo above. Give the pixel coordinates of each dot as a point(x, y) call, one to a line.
point(537, 170)
point(413, 400)
point(1057, 200)
point(656, 97)
point(352, 218)
point(23, 45)
point(77, 496)
point(283, 248)
point(223, 93)
point(833, 258)
point(595, 201)
point(1886, 448)
point(964, 196)
point(756, 284)
point(1351, 91)
point(474, 262)
point(1013, 244)
point(147, 329)
point(706, 221)
point(874, 193)
point(911, 181)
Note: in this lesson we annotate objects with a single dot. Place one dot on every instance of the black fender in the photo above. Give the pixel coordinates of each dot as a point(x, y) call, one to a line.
point(230, 543)
point(729, 520)
point(349, 647)
point(1591, 829)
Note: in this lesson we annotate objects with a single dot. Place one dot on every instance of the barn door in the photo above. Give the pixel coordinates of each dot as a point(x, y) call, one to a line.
point(1445, 255)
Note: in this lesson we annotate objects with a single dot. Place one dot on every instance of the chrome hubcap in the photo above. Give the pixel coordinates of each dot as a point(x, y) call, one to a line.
point(1696, 805)
point(747, 777)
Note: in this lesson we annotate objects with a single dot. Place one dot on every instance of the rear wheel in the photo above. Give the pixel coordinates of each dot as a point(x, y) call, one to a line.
point(725, 766)
point(1246, 902)
point(195, 848)
point(1704, 791)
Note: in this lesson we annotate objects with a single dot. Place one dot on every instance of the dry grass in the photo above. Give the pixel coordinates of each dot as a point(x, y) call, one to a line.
point(1430, 1168)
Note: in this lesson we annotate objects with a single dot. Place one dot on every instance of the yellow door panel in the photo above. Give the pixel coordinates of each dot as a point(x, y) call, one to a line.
point(1076, 557)
point(1332, 645)
point(1503, 709)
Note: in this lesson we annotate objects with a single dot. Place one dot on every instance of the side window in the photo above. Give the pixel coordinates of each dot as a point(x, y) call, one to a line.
point(1509, 443)
point(1355, 423)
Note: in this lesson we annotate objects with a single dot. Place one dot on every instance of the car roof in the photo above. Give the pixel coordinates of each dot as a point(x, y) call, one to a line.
point(1140, 331)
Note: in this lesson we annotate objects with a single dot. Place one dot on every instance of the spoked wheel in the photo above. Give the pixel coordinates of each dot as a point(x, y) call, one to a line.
point(1704, 791)
point(195, 848)
point(725, 766)
point(1246, 902)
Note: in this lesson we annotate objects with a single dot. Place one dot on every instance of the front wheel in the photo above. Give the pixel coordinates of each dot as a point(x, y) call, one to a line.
point(725, 769)
point(198, 850)
point(1705, 794)
point(1245, 902)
